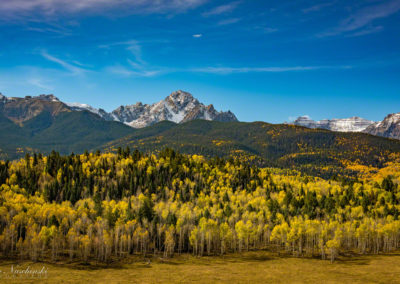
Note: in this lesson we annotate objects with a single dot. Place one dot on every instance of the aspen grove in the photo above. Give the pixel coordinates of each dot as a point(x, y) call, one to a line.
point(108, 206)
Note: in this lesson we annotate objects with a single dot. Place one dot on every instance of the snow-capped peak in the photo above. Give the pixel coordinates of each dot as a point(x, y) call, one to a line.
point(178, 107)
point(352, 124)
point(181, 99)
point(80, 107)
point(389, 127)
point(390, 119)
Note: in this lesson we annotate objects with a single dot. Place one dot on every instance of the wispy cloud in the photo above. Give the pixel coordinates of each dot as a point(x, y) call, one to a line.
point(143, 69)
point(364, 17)
point(232, 70)
point(135, 66)
point(135, 71)
point(119, 70)
point(138, 67)
point(52, 7)
point(318, 7)
point(37, 82)
point(73, 69)
point(133, 46)
point(34, 78)
point(227, 8)
point(229, 21)
point(155, 71)
point(50, 30)
point(366, 31)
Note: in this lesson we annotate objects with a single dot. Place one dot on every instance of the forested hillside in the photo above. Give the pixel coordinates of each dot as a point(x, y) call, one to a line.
point(313, 151)
point(106, 207)
point(66, 132)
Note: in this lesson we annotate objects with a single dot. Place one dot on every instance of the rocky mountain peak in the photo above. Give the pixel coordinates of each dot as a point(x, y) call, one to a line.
point(179, 106)
point(210, 108)
point(180, 100)
point(389, 127)
point(392, 118)
point(49, 98)
point(19, 109)
point(181, 96)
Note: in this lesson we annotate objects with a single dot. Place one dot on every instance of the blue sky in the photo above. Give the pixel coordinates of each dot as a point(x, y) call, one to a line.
point(264, 60)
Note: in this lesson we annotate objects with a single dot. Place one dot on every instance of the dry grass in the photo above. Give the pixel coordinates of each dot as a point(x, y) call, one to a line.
point(252, 267)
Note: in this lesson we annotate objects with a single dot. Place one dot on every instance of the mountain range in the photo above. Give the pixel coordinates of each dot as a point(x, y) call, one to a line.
point(353, 124)
point(389, 127)
point(178, 107)
point(314, 151)
point(44, 123)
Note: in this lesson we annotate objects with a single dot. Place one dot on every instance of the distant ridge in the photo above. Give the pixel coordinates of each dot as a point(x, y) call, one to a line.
point(389, 127)
point(352, 124)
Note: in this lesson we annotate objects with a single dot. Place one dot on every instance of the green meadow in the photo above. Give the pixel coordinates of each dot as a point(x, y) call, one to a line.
point(251, 267)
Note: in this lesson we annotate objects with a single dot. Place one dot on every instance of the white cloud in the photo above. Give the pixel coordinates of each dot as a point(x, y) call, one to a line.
point(227, 8)
point(133, 72)
point(369, 14)
point(137, 66)
point(37, 82)
point(367, 31)
point(135, 69)
point(233, 70)
point(51, 7)
point(75, 70)
point(26, 77)
point(197, 35)
point(119, 70)
point(318, 7)
point(50, 30)
point(364, 17)
point(144, 71)
point(133, 46)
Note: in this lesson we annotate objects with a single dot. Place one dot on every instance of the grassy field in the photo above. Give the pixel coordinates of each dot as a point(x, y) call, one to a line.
point(252, 267)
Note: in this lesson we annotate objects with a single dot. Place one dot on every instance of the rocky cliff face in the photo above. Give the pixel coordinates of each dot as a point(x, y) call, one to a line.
point(389, 127)
point(353, 124)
